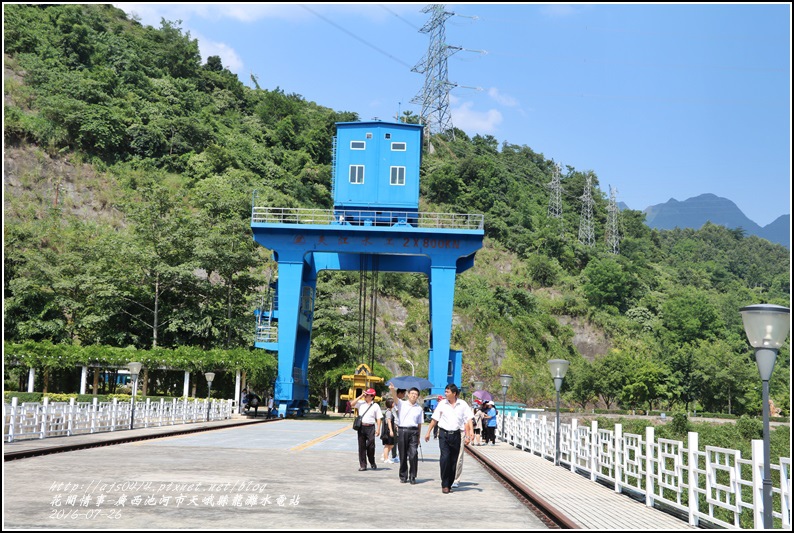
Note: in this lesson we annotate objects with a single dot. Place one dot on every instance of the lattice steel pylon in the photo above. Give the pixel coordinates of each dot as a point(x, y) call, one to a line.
point(586, 235)
point(434, 97)
point(555, 199)
point(613, 233)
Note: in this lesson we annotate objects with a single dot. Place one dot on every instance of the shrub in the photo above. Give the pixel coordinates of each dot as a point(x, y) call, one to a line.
point(750, 428)
point(679, 425)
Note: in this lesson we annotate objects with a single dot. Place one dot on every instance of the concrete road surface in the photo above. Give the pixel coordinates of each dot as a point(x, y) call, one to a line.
point(296, 474)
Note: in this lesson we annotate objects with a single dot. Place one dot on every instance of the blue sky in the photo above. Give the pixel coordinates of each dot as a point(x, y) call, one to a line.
point(660, 100)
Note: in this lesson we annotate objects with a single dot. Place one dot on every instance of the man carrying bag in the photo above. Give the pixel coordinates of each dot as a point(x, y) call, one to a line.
point(369, 422)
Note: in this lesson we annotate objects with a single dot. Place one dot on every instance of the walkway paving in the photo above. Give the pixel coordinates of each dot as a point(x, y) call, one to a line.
point(289, 474)
point(589, 505)
point(297, 474)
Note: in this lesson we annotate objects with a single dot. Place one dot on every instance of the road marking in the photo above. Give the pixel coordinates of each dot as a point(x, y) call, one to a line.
point(318, 440)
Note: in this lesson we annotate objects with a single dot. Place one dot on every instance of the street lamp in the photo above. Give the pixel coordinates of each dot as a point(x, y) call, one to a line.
point(210, 376)
point(413, 373)
point(135, 369)
point(766, 326)
point(558, 368)
point(505, 380)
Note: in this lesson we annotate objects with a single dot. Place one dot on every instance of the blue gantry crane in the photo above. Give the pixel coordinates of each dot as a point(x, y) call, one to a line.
point(375, 225)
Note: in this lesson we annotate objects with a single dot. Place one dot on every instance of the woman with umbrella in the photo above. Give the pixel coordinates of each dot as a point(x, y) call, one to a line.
point(489, 416)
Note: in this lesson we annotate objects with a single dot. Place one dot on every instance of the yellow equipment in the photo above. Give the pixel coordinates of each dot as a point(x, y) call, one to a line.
point(362, 380)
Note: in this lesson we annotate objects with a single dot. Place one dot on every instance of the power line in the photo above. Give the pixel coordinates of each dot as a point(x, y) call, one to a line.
point(411, 24)
point(356, 37)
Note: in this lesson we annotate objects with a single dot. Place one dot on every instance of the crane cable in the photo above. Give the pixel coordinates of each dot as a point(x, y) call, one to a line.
point(367, 325)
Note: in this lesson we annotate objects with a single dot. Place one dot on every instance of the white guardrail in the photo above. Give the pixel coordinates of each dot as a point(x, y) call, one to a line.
point(50, 419)
point(714, 485)
point(290, 215)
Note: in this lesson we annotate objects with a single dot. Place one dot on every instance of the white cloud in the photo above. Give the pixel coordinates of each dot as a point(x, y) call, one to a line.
point(501, 98)
point(228, 56)
point(559, 10)
point(150, 14)
point(471, 121)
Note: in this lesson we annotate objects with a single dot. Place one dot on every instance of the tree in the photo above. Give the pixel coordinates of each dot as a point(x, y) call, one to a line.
point(581, 383)
point(611, 373)
point(228, 255)
point(647, 383)
point(606, 284)
point(689, 317)
point(730, 378)
point(160, 256)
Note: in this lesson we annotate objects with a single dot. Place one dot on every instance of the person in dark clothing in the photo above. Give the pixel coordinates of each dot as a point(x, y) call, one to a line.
point(253, 401)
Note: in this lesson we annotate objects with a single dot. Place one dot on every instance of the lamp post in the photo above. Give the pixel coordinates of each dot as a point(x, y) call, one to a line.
point(210, 376)
point(505, 380)
point(135, 369)
point(558, 368)
point(413, 373)
point(766, 326)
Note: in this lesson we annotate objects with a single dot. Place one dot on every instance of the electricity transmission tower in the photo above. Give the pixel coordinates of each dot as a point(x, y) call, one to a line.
point(613, 235)
point(434, 97)
point(555, 200)
point(586, 219)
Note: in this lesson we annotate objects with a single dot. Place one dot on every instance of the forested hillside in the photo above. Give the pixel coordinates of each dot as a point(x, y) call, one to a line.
point(129, 169)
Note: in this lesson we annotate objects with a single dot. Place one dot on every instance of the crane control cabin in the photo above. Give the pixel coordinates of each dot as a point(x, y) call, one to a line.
point(375, 225)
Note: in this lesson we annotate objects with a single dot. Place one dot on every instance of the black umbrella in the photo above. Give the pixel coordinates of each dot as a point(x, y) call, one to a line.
point(409, 382)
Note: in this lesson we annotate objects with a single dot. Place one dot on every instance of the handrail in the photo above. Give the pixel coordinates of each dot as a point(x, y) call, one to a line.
point(714, 486)
point(325, 217)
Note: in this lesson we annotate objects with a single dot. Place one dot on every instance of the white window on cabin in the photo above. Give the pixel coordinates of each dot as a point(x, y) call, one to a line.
point(398, 147)
point(358, 145)
point(357, 174)
point(397, 176)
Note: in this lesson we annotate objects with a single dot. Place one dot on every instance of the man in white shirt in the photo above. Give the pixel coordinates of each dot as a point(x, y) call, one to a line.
point(451, 415)
point(410, 416)
point(371, 416)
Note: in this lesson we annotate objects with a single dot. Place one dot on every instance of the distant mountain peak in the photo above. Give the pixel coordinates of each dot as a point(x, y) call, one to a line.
point(707, 207)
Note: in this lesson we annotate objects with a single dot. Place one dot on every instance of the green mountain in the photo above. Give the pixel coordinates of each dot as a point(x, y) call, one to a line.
point(696, 211)
point(129, 169)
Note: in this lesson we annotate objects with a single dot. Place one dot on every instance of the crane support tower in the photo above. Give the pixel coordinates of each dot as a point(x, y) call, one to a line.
point(375, 225)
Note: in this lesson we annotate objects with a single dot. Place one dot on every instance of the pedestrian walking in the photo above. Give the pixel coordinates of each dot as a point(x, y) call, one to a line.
point(450, 416)
point(477, 426)
point(389, 427)
point(244, 399)
point(371, 417)
point(324, 406)
point(394, 454)
point(348, 410)
point(489, 419)
point(410, 416)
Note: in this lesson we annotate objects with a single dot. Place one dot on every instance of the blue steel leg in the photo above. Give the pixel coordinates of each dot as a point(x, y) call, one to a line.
point(442, 294)
point(290, 275)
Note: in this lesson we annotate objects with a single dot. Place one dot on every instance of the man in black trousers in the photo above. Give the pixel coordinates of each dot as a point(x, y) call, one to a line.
point(371, 417)
point(410, 416)
point(453, 416)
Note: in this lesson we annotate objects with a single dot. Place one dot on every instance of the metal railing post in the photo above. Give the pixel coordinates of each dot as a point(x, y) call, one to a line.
point(692, 478)
point(650, 444)
point(44, 411)
point(618, 459)
point(594, 464)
